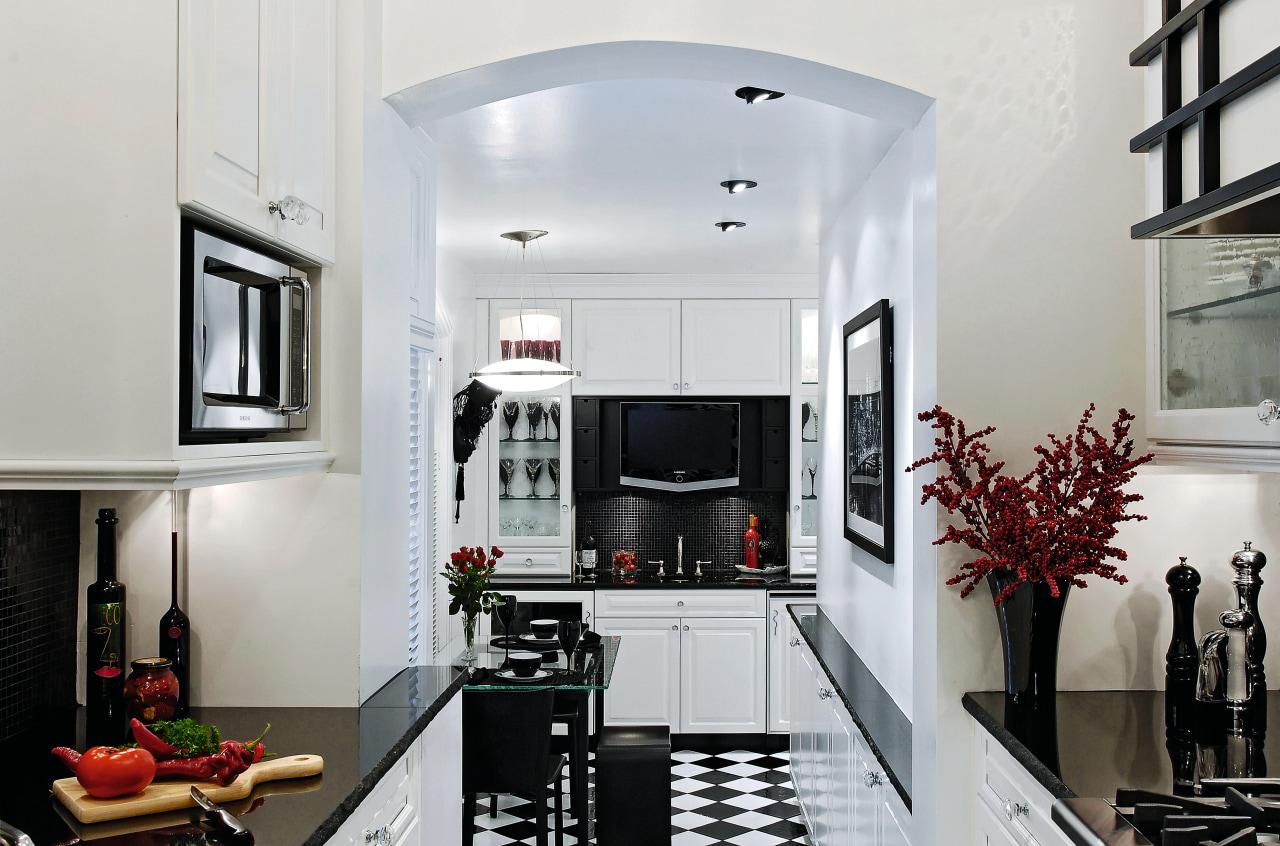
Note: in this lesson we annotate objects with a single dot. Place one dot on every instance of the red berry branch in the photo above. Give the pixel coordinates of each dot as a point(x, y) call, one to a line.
point(1054, 524)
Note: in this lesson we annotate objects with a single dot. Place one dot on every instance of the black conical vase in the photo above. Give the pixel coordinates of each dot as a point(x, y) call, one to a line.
point(1030, 626)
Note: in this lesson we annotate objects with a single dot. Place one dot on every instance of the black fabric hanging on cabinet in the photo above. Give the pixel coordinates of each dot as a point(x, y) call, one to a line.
point(473, 407)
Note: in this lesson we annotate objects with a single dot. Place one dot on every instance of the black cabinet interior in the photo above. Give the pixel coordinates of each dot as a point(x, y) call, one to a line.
point(764, 452)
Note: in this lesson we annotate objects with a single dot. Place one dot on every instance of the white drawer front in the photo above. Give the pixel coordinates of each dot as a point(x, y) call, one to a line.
point(670, 603)
point(1010, 791)
point(534, 562)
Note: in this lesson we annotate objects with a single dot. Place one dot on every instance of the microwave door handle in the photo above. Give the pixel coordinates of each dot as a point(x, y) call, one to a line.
point(302, 284)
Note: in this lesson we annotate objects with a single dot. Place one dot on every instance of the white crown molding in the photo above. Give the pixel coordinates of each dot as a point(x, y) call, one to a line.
point(422, 332)
point(1261, 459)
point(183, 474)
point(648, 285)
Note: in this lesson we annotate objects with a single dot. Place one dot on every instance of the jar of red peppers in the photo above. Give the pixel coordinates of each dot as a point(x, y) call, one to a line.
point(151, 691)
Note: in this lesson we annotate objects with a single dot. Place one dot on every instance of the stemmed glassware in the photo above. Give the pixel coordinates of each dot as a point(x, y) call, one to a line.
point(811, 467)
point(569, 632)
point(813, 413)
point(805, 411)
point(511, 413)
point(506, 615)
point(533, 469)
point(553, 413)
point(553, 470)
point(534, 409)
point(506, 471)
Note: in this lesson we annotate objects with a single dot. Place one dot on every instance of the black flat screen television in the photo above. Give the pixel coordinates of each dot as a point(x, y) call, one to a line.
point(679, 446)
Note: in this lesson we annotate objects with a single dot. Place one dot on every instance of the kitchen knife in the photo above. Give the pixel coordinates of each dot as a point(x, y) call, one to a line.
point(221, 817)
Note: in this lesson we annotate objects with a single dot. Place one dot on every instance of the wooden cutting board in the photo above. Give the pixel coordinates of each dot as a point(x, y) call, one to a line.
point(176, 795)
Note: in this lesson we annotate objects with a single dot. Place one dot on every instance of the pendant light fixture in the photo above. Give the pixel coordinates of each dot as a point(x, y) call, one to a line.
point(519, 375)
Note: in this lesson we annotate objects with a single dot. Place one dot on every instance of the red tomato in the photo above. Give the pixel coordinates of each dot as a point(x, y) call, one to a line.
point(105, 772)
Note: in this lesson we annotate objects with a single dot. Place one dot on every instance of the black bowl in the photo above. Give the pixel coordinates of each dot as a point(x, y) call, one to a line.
point(524, 664)
point(544, 629)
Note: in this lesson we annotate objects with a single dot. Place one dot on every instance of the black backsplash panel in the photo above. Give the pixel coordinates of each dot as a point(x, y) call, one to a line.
point(712, 522)
point(39, 586)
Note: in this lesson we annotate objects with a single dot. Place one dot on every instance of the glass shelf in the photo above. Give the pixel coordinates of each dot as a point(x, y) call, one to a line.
point(529, 491)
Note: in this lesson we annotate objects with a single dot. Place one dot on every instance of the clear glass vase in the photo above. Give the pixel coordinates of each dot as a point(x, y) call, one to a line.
point(469, 633)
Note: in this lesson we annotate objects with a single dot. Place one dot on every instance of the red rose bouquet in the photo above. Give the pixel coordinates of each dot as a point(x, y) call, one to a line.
point(468, 571)
point(1054, 524)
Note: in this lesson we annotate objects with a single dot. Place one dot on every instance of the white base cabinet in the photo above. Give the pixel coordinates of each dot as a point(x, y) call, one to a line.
point(1012, 806)
point(782, 631)
point(843, 794)
point(694, 661)
point(418, 801)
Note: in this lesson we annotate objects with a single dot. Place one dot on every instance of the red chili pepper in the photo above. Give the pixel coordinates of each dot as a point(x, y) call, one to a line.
point(149, 741)
point(198, 769)
point(68, 756)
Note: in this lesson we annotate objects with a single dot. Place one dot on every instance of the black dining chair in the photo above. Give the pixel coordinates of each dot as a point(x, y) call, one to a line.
point(506, 748)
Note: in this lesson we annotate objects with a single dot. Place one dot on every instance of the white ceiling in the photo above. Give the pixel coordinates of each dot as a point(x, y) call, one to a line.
point(625, 176)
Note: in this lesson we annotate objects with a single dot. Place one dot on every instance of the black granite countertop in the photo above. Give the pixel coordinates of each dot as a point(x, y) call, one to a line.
point(781, 581)
point(1089, 742)
point(359, 745)
point(878, 717)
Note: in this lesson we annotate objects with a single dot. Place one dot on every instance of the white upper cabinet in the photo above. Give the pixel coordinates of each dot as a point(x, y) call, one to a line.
point(626, 347)
point(674, 347)
point(735, 347)
point(256, 101)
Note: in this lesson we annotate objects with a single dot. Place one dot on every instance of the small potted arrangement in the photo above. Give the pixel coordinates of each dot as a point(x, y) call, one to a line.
point(1038, 534)
point(624, 566)
point(468, 571)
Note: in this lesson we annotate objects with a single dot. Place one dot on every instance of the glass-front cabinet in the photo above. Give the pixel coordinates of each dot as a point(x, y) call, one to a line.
point(530, 488)
point(1216, 350)
point(804, 437)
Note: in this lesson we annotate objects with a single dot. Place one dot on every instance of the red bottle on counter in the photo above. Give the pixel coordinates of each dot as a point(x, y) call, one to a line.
point(752, 556)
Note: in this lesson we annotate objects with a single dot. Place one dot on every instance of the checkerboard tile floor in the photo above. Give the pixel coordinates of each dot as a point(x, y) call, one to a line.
point(738, 798)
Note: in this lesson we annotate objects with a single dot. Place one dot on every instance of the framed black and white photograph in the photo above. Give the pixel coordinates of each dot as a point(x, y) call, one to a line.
point(868, 430)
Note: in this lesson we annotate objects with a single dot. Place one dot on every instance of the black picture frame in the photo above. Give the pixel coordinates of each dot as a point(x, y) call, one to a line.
point(868, 431)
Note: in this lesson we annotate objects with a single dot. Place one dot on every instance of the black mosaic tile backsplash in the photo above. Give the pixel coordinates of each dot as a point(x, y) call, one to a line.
point(712, 522)
point(39, 585)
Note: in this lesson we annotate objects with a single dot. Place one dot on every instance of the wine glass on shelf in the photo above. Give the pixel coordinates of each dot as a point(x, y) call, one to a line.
point(813, 413)
point(553, 414)
point(506, 615)
point(529, 524)
point(533, 469)
point(534, 409)
point(553, 470)
point(511, 413)
point(506, 471)
point(811, 467)
point(569, 632)
point(805, 411)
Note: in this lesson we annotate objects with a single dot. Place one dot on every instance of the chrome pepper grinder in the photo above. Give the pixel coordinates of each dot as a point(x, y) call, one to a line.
point(1248, 564)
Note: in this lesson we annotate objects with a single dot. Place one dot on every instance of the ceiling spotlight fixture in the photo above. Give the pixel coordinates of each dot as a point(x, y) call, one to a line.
point(730, 225)
point(757, 95)
point(737, 186)
point(521, 375)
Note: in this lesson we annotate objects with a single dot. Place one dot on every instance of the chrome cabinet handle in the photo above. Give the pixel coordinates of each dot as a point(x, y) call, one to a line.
point(564, 508)
point(874, 779)
point(675, 628)
point(680, 604)
point(686, 628)
point(381, 837)
point(675, 386)
point(795, 508)
point(775, 622)
point(1014, 809)
point(303, 285)
point(1268, 412)
point(795, 641)
point(686, 386)
point(528, 562)
point(825, 693)
point(290, 208)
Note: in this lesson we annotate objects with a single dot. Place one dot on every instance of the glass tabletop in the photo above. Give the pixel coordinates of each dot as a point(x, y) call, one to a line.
point(592, 668)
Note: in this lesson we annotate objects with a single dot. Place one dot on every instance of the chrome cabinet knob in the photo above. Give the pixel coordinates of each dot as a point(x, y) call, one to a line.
point(795, 641)
point(675, 386)
point(872, 779)
point(675, 628)
point(291, 208)
point(528, 562)
point(680, 604)
point(686, 386)
point(795, 508)
point(686, 628)
point(1014, 809)
point(825, 693)
point(1268, 412)
point(564, 508)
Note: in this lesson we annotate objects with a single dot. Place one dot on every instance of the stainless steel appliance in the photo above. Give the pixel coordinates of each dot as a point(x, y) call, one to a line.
point(246, 338)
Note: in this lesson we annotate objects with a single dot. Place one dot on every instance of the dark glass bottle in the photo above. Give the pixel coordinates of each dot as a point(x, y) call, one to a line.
point(175, 641)
point(104, 682)
point(588, 556)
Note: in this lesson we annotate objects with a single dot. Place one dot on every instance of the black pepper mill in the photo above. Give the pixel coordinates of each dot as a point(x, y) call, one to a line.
point(1248, 564)
point(1182, 661)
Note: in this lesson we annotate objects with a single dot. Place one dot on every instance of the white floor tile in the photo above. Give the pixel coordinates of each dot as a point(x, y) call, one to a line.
point(752, 820)
point(755, 838)
point(691, 838)
point(742, 769)
point(689, 769)
point(690, 802)
point(688, 785)
point(748, 801)
point(690, 820)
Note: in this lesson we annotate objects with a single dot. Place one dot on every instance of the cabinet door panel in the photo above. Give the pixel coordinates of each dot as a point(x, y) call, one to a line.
point(627, 347)
point(302, 138)
point(866, 798)
point(722, 675)
point(895, 820)
point(736, 347)
point(840, 784)
point(222, 163)
point(644, 689)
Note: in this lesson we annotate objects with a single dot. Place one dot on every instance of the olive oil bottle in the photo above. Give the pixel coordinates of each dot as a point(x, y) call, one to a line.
point(104, 681)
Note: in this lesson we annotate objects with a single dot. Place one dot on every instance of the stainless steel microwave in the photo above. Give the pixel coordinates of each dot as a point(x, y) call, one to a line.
point(246, 337)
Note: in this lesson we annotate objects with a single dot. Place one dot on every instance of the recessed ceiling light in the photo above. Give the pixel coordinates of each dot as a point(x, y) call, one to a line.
point(757, 95)
point(730, 225)
point(737, 186)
